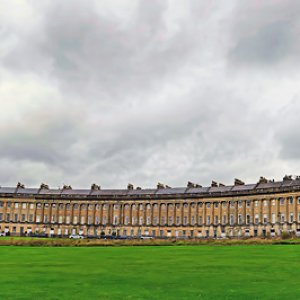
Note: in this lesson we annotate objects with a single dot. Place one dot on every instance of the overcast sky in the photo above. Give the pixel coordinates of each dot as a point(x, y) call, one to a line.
point(113, 92)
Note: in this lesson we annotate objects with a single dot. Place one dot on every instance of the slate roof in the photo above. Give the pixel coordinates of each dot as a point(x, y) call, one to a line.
point(212, 191)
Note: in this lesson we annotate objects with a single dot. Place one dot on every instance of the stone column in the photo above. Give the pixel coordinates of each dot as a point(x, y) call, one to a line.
point(145, 214)
point(152, 214)
point(220, 212)
point(27, 211)
point(182, 214)
point(86, 221)
point(64, 214)
point(57, 212)
point(261, 210)
point(204, 213)
point(42, 212)
point(244, 207)
point(121, 214)
point(236, 213)
point(287, 218)
point(71, 213)
point(101, 214)
point(167, 213)
point(269, 211)
point(296, 210)
point(197, 213)
point(228, 212)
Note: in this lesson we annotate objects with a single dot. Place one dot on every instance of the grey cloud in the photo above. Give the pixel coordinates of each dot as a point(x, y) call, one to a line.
point(287, 134)
point(269, 45)
point(94, 56)
point(210, 134)
point(142, 101)
point(40, 137)
point(265, 33)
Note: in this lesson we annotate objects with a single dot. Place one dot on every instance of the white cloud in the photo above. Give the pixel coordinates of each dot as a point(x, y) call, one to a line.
point(147, 91)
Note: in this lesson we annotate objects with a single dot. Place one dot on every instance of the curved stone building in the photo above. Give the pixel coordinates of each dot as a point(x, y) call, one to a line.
point(266, 208)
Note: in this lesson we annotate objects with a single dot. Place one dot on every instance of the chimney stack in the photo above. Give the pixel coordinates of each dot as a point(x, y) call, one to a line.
point(160, 186)
point(214, 184)
point(238, 182)
point(95, 187)
point(130, 186)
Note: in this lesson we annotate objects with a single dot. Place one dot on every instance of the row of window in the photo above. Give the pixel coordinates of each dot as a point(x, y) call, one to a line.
point(148, 206)
point(134, 221)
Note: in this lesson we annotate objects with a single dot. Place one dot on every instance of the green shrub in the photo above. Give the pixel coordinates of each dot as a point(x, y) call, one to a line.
point(285, 235)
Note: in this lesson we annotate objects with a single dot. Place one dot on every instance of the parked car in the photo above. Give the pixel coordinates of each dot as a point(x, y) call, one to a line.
point(2, 234)
point(76, 236)
point(123, 237)
point(92, 236)
point(109, 237)
point(146, 237)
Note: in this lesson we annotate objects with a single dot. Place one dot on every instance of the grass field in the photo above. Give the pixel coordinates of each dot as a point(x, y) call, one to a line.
point(182, 272)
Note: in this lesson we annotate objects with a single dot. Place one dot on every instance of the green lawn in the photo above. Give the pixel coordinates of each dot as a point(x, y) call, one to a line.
point(182, 272)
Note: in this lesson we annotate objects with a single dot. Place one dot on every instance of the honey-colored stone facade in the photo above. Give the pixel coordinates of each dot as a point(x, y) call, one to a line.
point(262, 209)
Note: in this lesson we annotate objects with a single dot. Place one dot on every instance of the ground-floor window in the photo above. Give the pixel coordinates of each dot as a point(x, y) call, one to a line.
point(240, 219)
point(208, 220)
point(231, 219)
point(224, 219)
point(216, 219)
point(256, 219)
point(273, 218)
point(200, 220)
point(248, 219)
point(193, 220)
point(115, 220)
point(185, 220)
